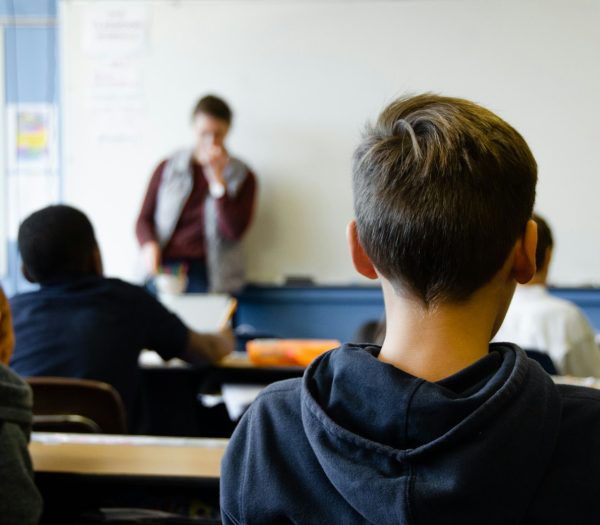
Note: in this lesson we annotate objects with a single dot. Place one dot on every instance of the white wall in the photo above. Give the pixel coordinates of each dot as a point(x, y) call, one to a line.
point(303, 77)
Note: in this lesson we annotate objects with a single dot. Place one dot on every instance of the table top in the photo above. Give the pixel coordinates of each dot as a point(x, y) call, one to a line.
point(112, 455)
point(237, 360)
point(241, 360)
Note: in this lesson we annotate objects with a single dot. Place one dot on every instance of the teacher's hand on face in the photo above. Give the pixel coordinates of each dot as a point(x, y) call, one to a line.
point(151, 254)
point(216, 160)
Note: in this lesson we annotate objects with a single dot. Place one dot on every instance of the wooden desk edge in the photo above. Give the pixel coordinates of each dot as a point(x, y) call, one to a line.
point(121, 459)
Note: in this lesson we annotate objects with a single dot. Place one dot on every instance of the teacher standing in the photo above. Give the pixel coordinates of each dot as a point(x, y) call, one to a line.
point(198, 206)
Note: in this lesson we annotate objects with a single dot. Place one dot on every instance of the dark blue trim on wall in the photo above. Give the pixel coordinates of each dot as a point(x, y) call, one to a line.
point(339, 311)
point(329, 312)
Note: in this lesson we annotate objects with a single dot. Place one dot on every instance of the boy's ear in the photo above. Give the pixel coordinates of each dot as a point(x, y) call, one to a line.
point(360, 259)
point(524, 267)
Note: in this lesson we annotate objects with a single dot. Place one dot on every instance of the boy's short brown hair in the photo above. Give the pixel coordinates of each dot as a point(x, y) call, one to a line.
point(442, 190)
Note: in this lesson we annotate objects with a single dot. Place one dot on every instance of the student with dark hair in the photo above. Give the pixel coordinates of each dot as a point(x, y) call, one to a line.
point(58, 243)
point(20, 502)
point(536, 320)
point(437, 425)
point(198, 206)
point(81, 324)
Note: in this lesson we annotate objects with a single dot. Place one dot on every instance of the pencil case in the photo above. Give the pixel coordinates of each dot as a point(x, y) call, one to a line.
point(287, 352)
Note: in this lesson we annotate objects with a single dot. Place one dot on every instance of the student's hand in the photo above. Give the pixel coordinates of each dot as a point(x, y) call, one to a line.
point(219, 345)
point(209, 347)
point(7, 338)
point(151, 254)
point(228, 340)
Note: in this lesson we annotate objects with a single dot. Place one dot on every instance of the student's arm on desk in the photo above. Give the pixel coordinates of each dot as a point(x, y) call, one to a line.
point(208, 348)
point(212, 347)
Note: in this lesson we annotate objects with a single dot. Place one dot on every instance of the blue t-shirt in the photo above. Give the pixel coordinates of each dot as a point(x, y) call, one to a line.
point(93, 328)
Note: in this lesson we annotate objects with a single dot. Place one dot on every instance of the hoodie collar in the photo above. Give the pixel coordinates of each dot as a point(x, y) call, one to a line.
point(415, 443)
point(400, 410)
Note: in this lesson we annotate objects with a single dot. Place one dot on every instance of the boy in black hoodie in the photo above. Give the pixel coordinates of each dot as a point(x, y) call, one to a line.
point(437, 425)
point(20, 502)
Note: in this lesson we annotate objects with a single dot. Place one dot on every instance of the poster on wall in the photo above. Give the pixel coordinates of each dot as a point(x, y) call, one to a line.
point(114, 37)
point(32, 137)
point(115, 27)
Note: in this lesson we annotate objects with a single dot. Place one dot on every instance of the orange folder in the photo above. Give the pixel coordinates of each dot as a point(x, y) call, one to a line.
point(287, 352)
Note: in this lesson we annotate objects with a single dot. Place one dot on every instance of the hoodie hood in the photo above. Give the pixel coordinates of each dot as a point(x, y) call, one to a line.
point(16, 399)
point(456, 450)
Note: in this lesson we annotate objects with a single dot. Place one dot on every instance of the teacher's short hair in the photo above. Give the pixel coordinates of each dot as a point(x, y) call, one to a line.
point(213, 106)
point(56, 242)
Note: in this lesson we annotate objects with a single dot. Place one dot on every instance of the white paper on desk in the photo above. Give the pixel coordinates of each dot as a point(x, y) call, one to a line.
point(199, 311)
point(238, 398)
point(150, 359)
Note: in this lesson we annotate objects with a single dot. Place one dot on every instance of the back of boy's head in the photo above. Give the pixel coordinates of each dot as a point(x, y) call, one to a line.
point(56, 242)
point(545, 241)
point(443, 188)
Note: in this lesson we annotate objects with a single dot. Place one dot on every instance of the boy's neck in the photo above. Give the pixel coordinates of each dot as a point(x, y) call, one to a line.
point(438, 342)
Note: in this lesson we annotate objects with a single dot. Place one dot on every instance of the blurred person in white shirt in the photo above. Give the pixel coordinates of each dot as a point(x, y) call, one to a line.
point(536, 320)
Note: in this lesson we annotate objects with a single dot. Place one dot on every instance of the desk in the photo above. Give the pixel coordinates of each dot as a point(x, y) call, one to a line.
point(237, 368)
point(234, 362)
point(79, 473)
point(177, 384)
point(143, 456)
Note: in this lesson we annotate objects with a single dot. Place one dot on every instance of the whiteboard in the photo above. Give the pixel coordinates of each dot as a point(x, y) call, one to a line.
point(303, 77)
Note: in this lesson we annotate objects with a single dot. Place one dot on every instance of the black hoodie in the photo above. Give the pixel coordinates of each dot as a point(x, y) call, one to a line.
point(20, 502)
point(357, 440)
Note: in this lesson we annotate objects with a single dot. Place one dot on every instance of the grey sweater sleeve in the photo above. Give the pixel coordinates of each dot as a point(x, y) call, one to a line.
point(20, 501)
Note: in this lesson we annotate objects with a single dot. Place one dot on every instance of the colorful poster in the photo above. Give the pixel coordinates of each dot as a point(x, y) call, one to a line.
point(32, 133)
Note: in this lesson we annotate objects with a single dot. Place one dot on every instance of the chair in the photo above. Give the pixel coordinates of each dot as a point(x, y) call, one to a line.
point(76, 405)
point(544, 360)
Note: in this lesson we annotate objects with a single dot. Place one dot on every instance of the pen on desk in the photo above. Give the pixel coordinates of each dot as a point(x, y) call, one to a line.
point(231, 307)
